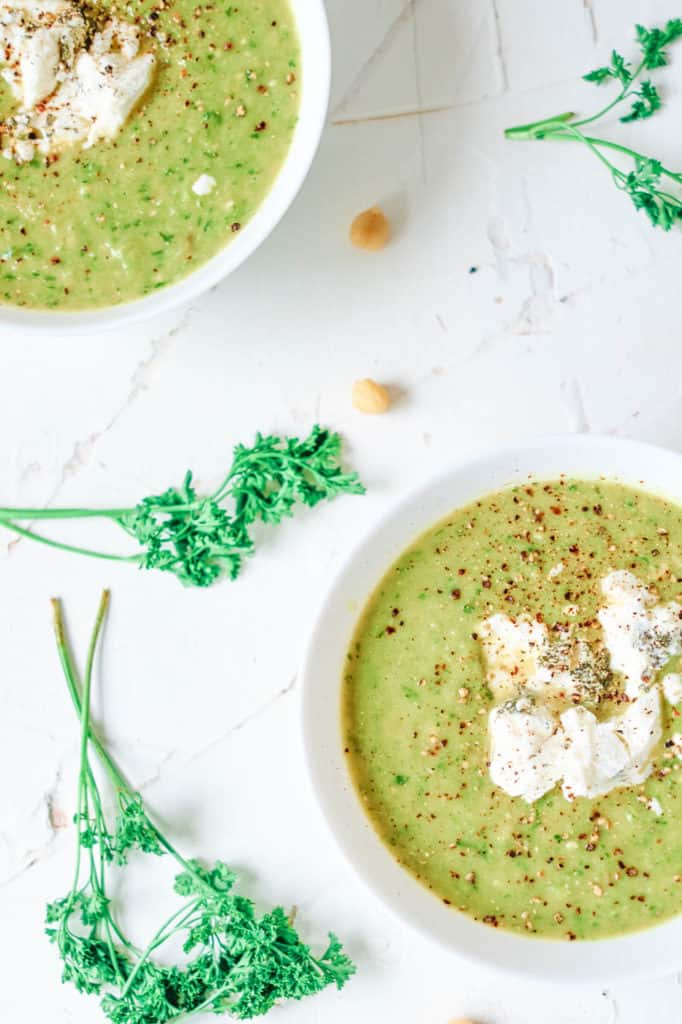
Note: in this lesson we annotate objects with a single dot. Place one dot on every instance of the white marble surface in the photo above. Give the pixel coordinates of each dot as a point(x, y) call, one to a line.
point(571, 323)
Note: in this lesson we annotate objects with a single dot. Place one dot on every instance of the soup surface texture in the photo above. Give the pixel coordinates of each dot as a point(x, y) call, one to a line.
point(417, 703)
point(118, 221)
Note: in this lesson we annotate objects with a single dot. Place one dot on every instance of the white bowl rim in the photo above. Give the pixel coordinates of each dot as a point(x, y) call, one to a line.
point(313, 31)
point(653, 952)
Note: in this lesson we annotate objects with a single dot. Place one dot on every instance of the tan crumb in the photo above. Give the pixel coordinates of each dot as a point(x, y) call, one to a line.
point(370, 230)
point(370, 397)
point(59, 818)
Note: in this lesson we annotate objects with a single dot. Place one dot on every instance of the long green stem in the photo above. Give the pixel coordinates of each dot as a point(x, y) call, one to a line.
point(63, 513)
point(559, 131)
point(66, 547)
point(534, 129)
point(624, 93)
point(116, 777)
point(168, 928)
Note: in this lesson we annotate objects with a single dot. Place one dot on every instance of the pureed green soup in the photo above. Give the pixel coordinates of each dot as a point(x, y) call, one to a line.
point(417, 701)
point(120, 220)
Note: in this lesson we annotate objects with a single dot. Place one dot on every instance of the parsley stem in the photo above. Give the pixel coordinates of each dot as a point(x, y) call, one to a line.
point(571, 133)
point(175, 923)
point(116, 777)
point(23, 532)
point(534, 129)
point(624, 93)
point(63, 513)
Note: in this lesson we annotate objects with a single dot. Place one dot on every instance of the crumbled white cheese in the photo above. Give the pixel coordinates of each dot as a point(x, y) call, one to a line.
point(601, 756)
point(532, 672)
point(67, 94)
point(531, 749)
point(556, 570)
point(672, 688)
point(204, 184)
point(676, 744)
point(511, 648)
point(37, 44)
point(524, 749)
point(521, 657)
point(640, 635)
point(654, 805)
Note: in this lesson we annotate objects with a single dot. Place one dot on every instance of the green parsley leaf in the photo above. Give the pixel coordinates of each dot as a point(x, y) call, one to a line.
point(651, 187)
point(201, 539)
point(619, 69)
point(647, 103)
point(653, 42)
point(642, 185)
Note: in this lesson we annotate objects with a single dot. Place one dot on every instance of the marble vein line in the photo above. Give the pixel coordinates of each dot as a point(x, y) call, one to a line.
point(499, 47)
point(614, 1014)
point(83, 450)
point(355, 87)
point(575, 406)
point(45, 806)
point(244, 722)
point(139, 384)
point(411, 112)
point(588, 7)
point(418, 87)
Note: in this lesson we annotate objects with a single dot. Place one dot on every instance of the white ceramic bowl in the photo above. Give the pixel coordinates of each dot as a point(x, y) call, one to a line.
point(313, 31)
point(654, 951)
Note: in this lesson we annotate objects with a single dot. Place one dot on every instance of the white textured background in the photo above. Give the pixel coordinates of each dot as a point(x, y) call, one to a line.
point(571, 323)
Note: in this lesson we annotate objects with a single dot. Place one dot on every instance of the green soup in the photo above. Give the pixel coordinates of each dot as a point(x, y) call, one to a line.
point(118, 221)
point(570, 870)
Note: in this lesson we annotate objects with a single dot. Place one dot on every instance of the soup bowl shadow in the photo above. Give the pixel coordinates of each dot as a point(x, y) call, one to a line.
point(652, 952)
point(313, 31)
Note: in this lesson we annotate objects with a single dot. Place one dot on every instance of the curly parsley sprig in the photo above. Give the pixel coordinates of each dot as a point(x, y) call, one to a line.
point(645, 181)
point(198, 538)
point(235, 962)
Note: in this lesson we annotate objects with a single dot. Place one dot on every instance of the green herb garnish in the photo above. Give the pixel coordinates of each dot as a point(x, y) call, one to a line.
point(645, 179)
point(235, 962)
point(197, 538)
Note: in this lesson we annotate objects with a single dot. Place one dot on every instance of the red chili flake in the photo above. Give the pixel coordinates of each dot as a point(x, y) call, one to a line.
point(236, 227)
point(261, 126)
point(456, 594)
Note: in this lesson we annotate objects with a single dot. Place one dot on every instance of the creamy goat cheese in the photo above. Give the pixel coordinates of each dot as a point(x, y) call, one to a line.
point(533, 742)
point(38, 43)
point(67, 94)
point(525, 749)
point(204, 185)
point(672, 688)
point(511, 648)
point(641, 636)
point(600, 756)
point(521, 656)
